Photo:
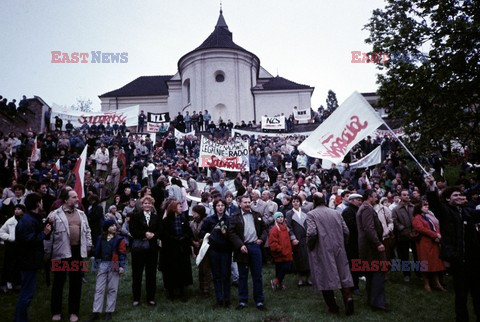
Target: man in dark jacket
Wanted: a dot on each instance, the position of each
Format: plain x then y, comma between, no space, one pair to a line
402,218
349,214
247,233
370,249
30,233
460,244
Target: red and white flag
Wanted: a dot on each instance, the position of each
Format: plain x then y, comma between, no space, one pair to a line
349,124
79,172
35,151
56,166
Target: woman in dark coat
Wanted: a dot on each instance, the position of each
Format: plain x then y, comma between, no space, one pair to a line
220,251
177,240
145,225
95,216
297,224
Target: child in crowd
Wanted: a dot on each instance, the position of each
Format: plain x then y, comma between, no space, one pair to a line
281,250
110,257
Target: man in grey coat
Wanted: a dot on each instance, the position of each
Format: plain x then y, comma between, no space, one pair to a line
402,219
327,256
371,249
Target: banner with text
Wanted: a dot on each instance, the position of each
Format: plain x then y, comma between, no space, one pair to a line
349,124
128,115
273,123
232,157
158,127
158,117
181,135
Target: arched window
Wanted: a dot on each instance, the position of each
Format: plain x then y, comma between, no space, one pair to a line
186,84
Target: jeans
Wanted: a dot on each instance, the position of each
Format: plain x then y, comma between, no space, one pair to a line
220,262
255,265
29,284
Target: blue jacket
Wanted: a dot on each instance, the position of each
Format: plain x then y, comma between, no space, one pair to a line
29,238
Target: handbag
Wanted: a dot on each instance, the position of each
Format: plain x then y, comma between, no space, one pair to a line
140,245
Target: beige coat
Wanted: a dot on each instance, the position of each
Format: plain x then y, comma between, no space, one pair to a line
61,236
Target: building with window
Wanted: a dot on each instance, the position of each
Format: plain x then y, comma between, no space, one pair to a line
218,76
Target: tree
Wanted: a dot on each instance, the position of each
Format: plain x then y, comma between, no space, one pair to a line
321,110
83,104
331,100
436,95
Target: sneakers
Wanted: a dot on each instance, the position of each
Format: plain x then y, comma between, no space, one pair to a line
73,318
241,306
57,317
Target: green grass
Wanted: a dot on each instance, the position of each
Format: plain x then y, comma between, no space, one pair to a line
408,303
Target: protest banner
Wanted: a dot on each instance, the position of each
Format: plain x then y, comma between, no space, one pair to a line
349,124
129,115
231,157
180,135
302,115
158,127
158,117
273,123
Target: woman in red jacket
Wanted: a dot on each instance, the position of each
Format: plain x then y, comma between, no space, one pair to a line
281,250
428,246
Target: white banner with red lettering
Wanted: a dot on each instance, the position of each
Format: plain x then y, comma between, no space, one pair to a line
129,115
349,124
231,157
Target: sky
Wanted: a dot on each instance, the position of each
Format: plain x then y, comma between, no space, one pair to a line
308,42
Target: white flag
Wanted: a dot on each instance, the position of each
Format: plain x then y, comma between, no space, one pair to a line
349,124
373,158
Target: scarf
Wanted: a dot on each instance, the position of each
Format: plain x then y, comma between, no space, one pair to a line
299,216
430,223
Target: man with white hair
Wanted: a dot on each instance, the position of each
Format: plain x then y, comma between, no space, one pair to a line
270,209
306,205
302,161
257,205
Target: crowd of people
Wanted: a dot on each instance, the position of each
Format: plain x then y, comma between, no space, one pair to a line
10,108
151,199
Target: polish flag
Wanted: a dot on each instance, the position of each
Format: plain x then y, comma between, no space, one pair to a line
35,152
79,172
56,166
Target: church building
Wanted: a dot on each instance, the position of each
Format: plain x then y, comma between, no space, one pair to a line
218,76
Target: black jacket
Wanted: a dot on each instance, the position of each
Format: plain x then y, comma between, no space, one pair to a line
460,241
236,233
217,240
349,214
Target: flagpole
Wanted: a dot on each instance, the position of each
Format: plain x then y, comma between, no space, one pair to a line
406,149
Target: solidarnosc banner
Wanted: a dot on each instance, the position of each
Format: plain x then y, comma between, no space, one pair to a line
231,157
348,125
128,115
